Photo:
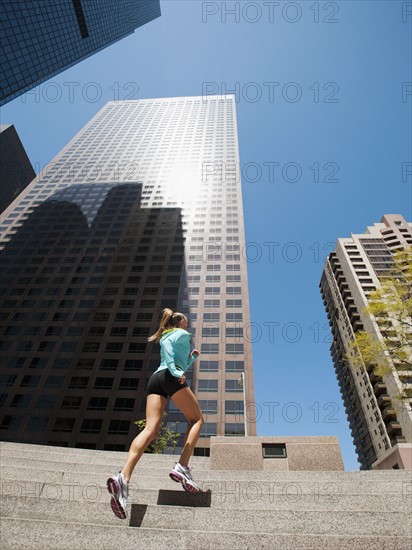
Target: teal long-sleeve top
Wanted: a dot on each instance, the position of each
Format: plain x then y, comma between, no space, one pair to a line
174,351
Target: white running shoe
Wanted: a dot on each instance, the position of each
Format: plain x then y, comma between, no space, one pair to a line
181,474
119,488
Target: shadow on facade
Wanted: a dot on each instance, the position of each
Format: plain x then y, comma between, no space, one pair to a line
82,287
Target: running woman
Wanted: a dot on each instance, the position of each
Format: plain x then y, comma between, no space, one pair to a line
168,380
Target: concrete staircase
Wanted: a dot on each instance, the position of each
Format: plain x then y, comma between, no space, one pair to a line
56,498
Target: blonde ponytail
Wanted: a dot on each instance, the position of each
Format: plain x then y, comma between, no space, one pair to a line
169,320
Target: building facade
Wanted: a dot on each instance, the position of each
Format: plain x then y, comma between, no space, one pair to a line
140,211
16,170
42,38
381,424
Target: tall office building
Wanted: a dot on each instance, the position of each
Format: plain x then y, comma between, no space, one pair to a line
16,170
41,38
380,423
141,210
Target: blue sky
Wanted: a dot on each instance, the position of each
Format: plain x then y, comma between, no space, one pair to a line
336,109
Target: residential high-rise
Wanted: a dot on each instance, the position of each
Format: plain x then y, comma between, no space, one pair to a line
141,210
41,38
16,170
381,423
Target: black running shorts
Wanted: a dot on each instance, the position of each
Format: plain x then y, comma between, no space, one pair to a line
164,383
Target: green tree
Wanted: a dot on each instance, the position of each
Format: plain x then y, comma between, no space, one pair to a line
391,307
166,437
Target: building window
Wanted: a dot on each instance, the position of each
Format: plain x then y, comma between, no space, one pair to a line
114,347
234,349
64,424
274,450
79,382
133,364
209,385
71,402
234,407
20,400
98,403
10,422
137,348
210,332
104,383
124,404
233,386
211,317
109,364
91,425
233,303
129,384
211,349
208,429
234,332
234,428
209,366
30,381
234,366
119,427
54,381
91,347
208,406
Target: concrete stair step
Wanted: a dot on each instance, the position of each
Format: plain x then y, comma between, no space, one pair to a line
19,449
155,469
87,496
344,523
220,481
29,534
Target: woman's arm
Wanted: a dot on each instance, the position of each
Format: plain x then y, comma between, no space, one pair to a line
170,360
193,356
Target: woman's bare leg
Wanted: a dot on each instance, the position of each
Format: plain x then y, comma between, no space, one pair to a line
155,405
186,401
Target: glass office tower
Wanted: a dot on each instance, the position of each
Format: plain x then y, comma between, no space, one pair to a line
41,38
141,210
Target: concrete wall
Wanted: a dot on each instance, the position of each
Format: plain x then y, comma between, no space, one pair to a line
302,453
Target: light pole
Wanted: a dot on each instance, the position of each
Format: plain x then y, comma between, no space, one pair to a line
242,381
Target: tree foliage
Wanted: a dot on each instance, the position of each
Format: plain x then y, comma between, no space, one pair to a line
391,307
166,437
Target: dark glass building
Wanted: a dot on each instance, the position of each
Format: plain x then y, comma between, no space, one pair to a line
41,38
16,170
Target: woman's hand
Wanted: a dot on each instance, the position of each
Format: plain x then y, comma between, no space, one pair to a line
195,352
182,380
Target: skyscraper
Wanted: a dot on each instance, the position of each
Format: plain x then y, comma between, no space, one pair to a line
141,210
381,425
41,38
16,170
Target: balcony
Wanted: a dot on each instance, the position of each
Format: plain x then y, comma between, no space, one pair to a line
379,388
357,325
374,378
393,427
388,413
398,439
384,400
